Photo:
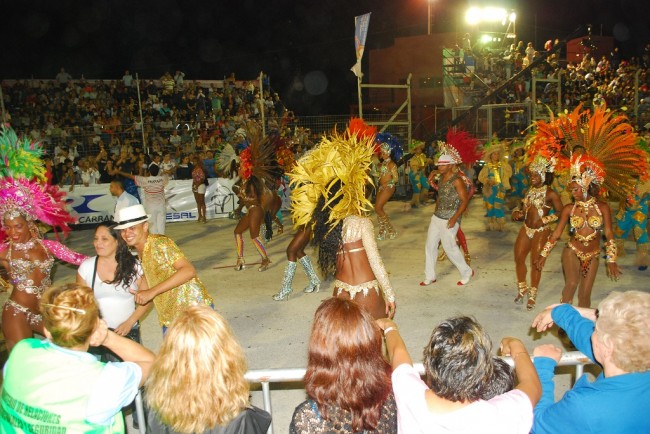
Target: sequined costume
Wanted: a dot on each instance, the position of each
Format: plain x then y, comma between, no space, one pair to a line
308,419
632,219
357,228
33,277
387,172
158,258
448,203
536,198
578,223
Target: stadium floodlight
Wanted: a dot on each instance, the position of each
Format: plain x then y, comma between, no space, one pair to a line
475,15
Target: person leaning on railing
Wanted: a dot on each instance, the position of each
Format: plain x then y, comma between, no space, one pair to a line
459,370
617,337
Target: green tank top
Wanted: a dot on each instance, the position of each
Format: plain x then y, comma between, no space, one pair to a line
47,391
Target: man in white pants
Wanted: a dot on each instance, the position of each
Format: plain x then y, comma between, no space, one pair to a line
450,205
154,200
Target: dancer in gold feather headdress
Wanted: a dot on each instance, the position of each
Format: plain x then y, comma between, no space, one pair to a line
611,164
329,195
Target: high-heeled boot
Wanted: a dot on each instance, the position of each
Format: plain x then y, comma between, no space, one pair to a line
381,233
285,289
314,281
532,298
390,230
522,289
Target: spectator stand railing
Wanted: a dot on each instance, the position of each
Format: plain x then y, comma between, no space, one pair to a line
295,375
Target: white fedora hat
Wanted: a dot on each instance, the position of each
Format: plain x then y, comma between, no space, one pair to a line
130,216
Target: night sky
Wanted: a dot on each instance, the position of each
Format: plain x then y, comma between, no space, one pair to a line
306,47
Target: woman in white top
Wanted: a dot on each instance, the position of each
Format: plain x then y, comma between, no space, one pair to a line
114,274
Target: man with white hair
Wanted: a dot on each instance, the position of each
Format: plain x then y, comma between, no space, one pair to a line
616,336
450,205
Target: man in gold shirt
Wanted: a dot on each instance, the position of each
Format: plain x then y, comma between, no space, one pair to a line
173,284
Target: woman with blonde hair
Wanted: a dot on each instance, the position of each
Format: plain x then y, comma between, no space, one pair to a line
197,382
54,385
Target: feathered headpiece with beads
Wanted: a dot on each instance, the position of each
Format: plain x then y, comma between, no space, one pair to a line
542,165
613,158
21,193
461,145
389,144
340,157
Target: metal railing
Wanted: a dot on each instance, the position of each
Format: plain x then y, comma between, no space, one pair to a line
292,375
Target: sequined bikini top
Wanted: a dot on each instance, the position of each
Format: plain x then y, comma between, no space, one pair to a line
21,269
594,222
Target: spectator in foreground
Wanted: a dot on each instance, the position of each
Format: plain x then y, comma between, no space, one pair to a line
347,378
54,385
459,370
197,382
617,337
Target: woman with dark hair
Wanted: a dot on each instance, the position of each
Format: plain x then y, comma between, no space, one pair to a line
587,217
330,196
347,379
251,196
199,185
605,154
535,212
459,375
390,152
112,275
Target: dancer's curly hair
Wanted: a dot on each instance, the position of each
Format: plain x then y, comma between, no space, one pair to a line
127,271
328,239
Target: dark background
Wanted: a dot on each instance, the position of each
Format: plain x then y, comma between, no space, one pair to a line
306,47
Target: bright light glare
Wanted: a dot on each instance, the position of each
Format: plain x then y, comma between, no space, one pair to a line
475,15
513,17
486,39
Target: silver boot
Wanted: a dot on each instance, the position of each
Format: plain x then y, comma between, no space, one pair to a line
314,281
285,289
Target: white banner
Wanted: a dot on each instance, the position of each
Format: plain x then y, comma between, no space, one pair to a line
94,204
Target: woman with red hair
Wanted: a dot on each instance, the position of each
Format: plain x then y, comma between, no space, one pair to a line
347,379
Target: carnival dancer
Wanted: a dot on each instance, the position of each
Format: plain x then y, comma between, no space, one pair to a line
539,209
611,161
296,249
466,145
172,279
451,203
26,199
632,218
519,180
330,196
390,151
256,169
495,177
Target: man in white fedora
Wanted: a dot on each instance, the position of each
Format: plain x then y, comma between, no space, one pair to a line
173,284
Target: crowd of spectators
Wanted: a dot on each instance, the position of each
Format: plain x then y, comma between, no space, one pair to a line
591,81
90,127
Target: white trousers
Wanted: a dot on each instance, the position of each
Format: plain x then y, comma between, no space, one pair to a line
438,232
157,220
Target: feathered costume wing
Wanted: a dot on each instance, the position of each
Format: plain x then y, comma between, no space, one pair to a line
345,157
610,143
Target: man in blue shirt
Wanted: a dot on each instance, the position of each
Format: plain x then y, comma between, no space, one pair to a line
617,337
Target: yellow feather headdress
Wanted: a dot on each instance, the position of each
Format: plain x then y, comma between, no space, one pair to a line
341,157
